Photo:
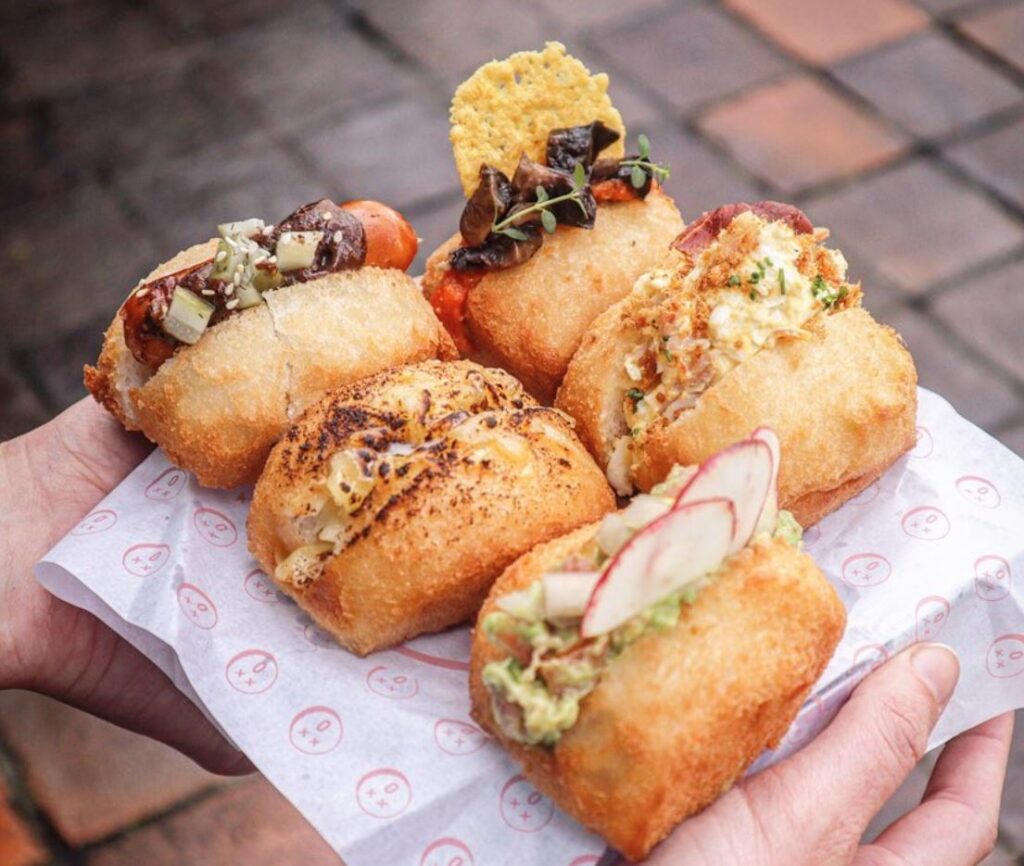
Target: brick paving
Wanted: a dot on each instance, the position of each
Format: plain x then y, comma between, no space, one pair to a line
129,127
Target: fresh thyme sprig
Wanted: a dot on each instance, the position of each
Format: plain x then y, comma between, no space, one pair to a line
543,206
642,166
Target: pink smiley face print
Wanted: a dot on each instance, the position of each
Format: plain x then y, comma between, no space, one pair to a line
98,521
259,587
926,523
144,560
458,738
874,655
523,807
931,615
991,578
1005,657
447,852
167,485
214,527
251,672
925,444
197,606
384,793
866,569
392,683
316,731
979,490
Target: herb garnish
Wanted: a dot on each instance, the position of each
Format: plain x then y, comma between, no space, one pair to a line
635,394
641,168
542,206
828,296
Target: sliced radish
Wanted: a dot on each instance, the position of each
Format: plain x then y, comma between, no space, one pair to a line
668,554
521,604
770,513
617,528
741,473
566,593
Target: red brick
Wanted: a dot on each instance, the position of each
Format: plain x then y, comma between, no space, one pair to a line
247,823
798,133
1000,30
916,225
17,845
824,31
89,777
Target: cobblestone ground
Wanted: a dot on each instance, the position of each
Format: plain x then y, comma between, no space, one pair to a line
129,127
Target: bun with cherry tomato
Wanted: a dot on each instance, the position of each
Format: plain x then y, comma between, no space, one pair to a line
215,352
559,221
753,323
636,667
392,504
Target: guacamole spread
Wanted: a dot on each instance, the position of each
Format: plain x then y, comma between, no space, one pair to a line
537,688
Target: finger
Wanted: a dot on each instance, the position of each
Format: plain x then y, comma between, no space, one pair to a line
958,818
121,685
827,792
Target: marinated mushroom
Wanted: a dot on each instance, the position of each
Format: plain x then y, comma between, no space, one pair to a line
487,205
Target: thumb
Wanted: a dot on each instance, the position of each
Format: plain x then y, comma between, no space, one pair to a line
836,785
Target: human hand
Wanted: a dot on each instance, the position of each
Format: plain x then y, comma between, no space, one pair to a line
813,808
51,478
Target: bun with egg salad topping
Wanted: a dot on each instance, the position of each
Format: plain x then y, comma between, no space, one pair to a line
393,503
754,324
216,351
637,666
559,220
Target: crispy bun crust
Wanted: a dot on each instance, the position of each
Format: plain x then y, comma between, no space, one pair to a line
428,542
843,403
679,716
530,319
218,406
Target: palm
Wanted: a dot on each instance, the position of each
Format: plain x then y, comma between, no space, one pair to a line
52,477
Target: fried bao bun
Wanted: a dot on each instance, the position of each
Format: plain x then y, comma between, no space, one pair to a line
679,715
465,473
218,406
529,319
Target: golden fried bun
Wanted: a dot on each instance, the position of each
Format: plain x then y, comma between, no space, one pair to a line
680,714
217,407
529,319
392,504
843,401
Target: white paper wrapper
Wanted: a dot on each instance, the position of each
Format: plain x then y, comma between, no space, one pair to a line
379,753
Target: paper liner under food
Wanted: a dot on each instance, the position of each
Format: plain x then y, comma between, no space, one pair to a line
379,753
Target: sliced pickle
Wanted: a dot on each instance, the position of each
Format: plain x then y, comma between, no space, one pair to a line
303,565
187,317
248,296
349,480
265,280
243,228
296,250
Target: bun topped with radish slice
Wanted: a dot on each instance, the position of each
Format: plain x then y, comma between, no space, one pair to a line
754,323
637,666
216,351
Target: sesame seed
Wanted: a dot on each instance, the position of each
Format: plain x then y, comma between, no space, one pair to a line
326,215
208,292
221,255
229,290
336,237
141,293
232,303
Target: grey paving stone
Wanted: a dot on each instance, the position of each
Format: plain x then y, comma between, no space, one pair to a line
1013,438
975,393
113,127
398,153
434,226
66,260
56,363
22,409
945,7
31,164
219,16
1001,856
929,85
988,311
450,41
66,47
701,179
1000,29
640,109
305,65
995,159
689,55
598,13
184,198
917,225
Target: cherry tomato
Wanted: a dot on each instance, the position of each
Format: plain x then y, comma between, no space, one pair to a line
390,241
449,303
